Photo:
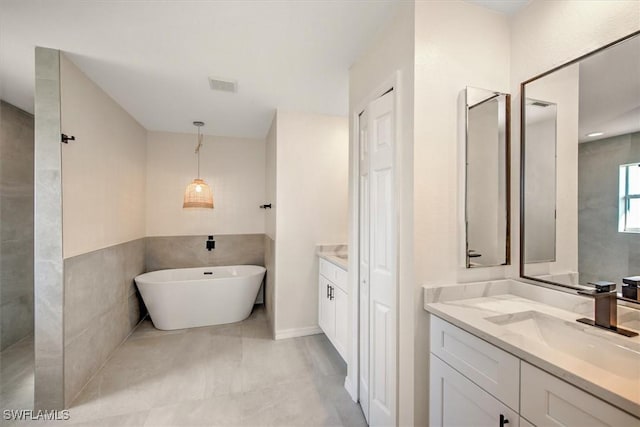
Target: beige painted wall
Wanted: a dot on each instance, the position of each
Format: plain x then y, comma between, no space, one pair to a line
391,52
312,167
233,167
103,180
450,55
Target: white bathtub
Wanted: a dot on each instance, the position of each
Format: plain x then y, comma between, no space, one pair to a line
192,297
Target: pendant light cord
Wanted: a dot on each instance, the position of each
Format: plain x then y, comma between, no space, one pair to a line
198,150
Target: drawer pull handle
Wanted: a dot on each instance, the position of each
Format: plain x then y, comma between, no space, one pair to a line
331,294
503,420
328,293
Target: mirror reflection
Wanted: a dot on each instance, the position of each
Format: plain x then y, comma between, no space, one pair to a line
581,170
487,195
540,162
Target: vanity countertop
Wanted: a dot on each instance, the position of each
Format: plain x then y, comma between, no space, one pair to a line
539,326
335,254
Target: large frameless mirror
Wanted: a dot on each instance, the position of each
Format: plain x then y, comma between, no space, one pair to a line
580,217
487,178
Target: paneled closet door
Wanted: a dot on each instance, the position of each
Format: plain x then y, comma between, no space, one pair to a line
364,266
377,275
382,263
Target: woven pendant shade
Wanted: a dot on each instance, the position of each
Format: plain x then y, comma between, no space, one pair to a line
198,195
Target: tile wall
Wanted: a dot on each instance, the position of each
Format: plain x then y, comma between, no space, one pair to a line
16,224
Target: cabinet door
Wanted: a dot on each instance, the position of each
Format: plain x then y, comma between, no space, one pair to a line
525,423
342,319
549,401
457,402
326,308
493,369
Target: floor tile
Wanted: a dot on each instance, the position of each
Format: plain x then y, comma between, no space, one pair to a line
224,375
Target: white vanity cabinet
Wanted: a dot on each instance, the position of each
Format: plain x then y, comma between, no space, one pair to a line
549,401
456,401
474,383
333,304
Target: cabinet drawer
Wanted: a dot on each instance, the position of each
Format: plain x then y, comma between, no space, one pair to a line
549,401
334,273
491,368
456,401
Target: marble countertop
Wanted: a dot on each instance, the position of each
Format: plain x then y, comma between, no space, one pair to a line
483,309
335,254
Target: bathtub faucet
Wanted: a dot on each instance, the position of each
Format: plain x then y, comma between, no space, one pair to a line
211,244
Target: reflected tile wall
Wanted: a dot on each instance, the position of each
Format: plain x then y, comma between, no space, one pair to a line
102,307
16,224
603,252
190,251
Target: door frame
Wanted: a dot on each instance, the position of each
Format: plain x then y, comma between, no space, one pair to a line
393,82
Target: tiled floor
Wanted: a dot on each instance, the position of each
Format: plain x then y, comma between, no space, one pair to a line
227,375
16,375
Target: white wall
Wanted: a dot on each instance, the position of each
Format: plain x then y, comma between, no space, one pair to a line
104,168
312,167
457,45
233,167
391,52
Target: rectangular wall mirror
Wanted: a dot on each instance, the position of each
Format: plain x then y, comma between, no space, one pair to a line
487,178
580,217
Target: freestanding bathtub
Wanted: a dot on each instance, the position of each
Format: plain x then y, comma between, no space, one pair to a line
192,297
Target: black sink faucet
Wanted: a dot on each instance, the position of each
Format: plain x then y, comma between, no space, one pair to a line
211,244
606,307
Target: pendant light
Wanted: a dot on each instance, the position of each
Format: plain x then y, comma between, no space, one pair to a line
198,193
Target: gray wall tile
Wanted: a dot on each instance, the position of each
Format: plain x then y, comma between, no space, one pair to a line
16,224
101,308
190,251
270,281
48,278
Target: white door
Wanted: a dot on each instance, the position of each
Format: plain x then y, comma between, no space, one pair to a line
382,265
363,376
378,264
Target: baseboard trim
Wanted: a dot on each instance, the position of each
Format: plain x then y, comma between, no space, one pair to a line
349,387
297,332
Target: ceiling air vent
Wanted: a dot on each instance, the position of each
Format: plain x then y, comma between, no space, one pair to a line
539,104
223,85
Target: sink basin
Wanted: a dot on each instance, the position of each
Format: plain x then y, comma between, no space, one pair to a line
574,339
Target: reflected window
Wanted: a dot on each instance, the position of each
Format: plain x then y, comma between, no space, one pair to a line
629,198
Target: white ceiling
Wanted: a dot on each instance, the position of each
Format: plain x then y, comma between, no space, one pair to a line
610,91
154,57
508,7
